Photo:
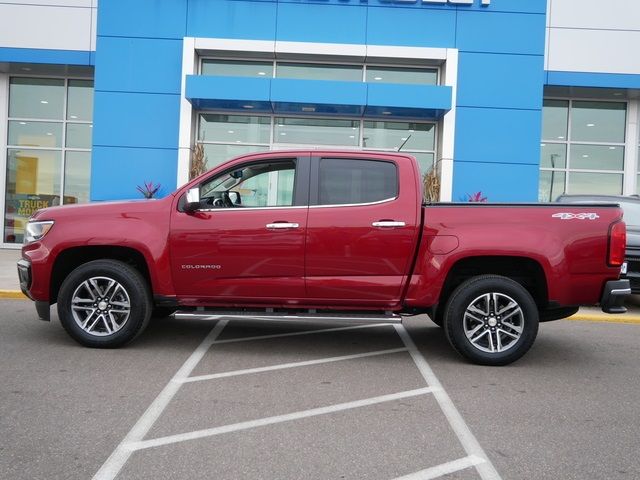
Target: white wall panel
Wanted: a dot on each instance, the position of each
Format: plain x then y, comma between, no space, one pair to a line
595,14
51,3
599,51
58,28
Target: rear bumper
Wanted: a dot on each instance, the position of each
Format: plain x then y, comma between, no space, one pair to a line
614,294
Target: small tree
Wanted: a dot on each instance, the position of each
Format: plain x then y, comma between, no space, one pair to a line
198,161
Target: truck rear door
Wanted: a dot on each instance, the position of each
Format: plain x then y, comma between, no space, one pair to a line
362,228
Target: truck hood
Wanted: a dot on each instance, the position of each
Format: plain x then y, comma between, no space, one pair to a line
118,208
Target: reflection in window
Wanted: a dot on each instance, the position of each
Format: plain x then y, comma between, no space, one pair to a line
316,131
314,71
406,75
582,149
350,181
42,142
237,68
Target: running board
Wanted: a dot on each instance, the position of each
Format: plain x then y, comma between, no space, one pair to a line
287,317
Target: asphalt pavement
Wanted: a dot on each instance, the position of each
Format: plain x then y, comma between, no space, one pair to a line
243,399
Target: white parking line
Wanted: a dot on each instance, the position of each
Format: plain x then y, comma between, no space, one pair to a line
304,332
486,469
234,427
444,469
120,455
283,366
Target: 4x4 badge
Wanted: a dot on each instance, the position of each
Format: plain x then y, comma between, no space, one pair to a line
576,216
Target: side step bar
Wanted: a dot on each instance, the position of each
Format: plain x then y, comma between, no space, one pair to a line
311,317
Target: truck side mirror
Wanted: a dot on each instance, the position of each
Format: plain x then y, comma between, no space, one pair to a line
193,200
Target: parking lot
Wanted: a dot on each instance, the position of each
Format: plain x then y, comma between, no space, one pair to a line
242,399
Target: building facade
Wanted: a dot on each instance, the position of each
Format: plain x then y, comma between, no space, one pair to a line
521,100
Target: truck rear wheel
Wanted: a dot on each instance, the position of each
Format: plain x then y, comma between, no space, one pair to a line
491,320
104,304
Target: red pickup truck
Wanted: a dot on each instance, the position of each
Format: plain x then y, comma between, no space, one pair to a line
326,236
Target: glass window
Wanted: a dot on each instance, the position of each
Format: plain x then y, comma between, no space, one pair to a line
597,157
414,136
77,174
35,134
80,100
314,71
346,181
420,76
36,98
425,161
595,183
33,182
43,157
598,121
237,68
555,115
216,154
316,131
258,185
551,185
553,155
234,128
79,135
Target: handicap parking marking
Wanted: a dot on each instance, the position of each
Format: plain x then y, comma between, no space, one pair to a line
134,440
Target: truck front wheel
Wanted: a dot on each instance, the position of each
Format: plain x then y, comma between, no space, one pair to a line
104,304
491,320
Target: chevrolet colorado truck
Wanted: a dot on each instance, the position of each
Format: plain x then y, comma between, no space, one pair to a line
326,236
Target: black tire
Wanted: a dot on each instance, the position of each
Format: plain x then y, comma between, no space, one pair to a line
129,317
461,318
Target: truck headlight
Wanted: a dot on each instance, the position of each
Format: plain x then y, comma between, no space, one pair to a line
36,230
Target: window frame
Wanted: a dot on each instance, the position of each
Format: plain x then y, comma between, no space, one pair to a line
567,170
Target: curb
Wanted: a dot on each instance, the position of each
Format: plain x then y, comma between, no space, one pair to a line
12,294
587,317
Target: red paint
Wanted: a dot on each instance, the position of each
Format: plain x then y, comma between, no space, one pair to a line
335,258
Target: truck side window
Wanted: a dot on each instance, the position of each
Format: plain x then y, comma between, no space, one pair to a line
266,184
347,181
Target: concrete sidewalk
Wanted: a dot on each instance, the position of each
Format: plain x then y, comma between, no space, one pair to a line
10,288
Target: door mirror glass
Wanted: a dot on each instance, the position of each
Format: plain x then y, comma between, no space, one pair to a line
193,200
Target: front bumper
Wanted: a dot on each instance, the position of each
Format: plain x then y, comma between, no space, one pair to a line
614,295
25,277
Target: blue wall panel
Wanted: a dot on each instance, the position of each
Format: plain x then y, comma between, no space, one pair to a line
498,182
139,65
498,136
417,27
321,23
136,120
116,171
143,18
585,79
38,55
232,19
486,31
500,81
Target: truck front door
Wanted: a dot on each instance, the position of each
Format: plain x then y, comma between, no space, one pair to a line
245,244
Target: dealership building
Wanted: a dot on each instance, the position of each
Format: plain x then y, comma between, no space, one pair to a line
520,100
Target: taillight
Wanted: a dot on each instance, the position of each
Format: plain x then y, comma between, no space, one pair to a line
617,244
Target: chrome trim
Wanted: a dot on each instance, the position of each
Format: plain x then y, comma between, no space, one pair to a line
386,319
281,225
620,291
388,224
355,204
247,209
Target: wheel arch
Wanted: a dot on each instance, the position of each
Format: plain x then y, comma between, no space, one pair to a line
524,270
71,258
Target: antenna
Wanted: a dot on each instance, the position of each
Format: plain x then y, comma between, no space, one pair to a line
403,143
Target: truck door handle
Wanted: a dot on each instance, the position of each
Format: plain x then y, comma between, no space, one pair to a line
281,225
388,224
